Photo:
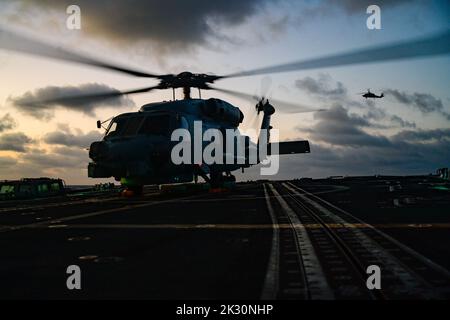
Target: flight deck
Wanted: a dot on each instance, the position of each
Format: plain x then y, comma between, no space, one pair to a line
301,239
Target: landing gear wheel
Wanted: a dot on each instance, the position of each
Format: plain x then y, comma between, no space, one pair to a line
229,178
133,191
137,190
216,180
222,183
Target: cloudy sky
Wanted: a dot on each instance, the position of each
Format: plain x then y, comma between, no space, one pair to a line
407,132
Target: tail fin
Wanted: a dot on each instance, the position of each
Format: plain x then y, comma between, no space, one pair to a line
289,147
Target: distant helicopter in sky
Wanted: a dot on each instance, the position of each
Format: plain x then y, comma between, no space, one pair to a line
369,94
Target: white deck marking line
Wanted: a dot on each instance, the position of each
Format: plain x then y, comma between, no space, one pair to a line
216,200
53,205
404,247
279,226
117,200
87,215
271,281
169,226
318,286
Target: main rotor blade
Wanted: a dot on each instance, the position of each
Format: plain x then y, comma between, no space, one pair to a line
13,41
282,106
88,98
436,44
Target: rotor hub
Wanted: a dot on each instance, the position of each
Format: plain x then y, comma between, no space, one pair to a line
187,80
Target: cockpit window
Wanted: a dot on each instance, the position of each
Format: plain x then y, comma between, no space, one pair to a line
116,127
133,125
156,125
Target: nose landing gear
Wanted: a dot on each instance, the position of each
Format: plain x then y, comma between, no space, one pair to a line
222,183
133,191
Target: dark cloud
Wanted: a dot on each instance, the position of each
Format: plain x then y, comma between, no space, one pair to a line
167,24
7,162
397,157
400,158
423,135
312,10
402,123
72,139
41,160
360,6
278,25
341,144
29,103
65,156
14,142
7,123
424,102
69,163
327,90
349,7
351,144
322,86
375,114
339,128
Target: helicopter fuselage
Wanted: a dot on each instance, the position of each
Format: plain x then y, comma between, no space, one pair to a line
372,95
136,149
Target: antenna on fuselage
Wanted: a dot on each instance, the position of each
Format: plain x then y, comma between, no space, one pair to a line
187,93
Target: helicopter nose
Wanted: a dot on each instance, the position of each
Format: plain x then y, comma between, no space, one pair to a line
98,150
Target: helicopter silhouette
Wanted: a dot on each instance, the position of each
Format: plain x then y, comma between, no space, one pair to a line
136,148
369,94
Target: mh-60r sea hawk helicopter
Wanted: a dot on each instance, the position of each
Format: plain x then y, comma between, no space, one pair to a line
372,95
136,147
